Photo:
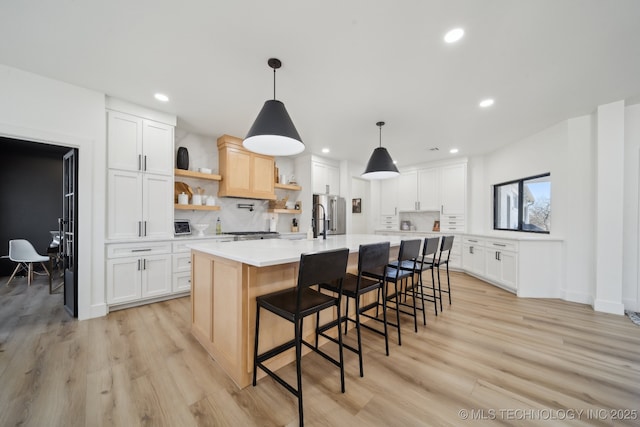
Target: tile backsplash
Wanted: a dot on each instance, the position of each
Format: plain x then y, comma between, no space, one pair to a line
422,221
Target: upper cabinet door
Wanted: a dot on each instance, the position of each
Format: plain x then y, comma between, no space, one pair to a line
124,133
389,196
408,191
157,145
262,175
429,189
453,189
326,178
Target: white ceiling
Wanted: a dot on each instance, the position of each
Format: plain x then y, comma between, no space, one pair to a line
346,64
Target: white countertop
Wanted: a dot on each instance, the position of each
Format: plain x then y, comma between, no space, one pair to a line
263,253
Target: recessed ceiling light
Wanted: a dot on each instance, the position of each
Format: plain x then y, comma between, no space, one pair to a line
161,97
454,35
325,150
453,150
486,103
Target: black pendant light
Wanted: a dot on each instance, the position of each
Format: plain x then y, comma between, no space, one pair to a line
273,132
380,164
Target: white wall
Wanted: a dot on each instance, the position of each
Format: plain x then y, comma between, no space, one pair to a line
38,109
609,208
594,162
630,250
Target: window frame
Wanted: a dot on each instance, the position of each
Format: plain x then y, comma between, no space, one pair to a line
520,183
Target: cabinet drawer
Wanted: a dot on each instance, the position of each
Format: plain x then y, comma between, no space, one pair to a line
473,241
181,282
502,245
182,263
123,250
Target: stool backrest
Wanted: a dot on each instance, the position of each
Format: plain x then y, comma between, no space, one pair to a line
322,267
430,247
409,250
445,248
373,259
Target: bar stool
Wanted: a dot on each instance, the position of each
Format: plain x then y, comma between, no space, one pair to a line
425,262
400,271
299,302
372,265
443,259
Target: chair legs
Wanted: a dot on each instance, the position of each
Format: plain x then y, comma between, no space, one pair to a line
14,273
297,343
28,266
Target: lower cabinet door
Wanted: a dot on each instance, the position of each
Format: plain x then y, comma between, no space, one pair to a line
123,280
509,261
156,275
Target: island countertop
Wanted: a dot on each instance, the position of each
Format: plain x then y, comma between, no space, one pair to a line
268,252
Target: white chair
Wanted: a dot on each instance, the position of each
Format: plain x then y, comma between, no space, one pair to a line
23,252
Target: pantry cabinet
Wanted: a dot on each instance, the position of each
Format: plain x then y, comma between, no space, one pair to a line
139,205
244,174
137,144
139,177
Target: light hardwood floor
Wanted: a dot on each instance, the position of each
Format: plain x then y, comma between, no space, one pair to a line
501,359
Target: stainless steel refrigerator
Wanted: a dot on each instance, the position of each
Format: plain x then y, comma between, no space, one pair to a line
334,208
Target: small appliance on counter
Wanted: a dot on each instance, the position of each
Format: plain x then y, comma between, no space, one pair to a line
405,225
181,227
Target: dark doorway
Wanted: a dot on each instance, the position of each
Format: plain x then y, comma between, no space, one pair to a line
31,189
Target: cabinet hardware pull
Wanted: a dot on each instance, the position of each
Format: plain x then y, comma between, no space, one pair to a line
145,228
145,163
139,228
144,264
499,244
474,241
141,250
471,249
139,162
138,265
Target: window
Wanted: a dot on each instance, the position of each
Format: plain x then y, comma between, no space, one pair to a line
523,205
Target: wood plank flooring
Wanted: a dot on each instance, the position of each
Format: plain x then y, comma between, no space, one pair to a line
490,356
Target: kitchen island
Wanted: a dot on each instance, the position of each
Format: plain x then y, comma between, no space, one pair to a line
226,279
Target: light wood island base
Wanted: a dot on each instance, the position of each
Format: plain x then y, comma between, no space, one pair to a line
223,300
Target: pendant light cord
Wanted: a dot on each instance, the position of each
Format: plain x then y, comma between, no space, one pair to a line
274,83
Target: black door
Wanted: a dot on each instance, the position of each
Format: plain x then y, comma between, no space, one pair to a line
69,231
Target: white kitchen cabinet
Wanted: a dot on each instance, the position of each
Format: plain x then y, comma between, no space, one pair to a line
500,258
325,178
451,223
136,272
139,205
429,189
453,180
473,255
389,197
408,191
140,145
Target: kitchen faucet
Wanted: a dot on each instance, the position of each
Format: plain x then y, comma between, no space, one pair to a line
324,221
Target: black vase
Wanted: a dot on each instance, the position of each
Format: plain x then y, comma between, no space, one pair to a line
182,161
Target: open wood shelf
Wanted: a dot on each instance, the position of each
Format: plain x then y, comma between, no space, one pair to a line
199,175
293,187
196,207
285,211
